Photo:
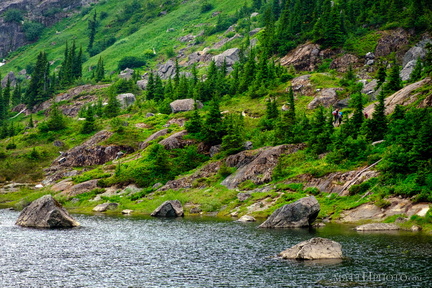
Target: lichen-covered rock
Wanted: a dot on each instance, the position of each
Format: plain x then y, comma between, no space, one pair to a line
230,57
46,212
301,213
314,249
326,97
171,208
152,137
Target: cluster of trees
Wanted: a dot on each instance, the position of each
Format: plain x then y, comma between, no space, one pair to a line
330,23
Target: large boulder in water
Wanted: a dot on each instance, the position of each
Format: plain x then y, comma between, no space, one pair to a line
301,213
46,212
314,249
171,208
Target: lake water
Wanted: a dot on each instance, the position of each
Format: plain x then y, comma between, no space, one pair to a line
202,252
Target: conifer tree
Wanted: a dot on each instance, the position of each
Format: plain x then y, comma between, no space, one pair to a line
232,142
100,70
16,96
92,25
88,125
394,82
194,124
416,74
37,91
213,129
381,75
7,95
159,89
151,87
112,109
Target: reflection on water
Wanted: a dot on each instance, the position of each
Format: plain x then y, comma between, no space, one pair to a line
202,252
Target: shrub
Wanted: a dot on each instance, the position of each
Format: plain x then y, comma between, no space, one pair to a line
32,30
11,146
205,7
131,62
13,15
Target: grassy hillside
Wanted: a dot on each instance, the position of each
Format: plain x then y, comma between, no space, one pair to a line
257,87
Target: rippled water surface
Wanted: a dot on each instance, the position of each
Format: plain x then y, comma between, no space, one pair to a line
202,252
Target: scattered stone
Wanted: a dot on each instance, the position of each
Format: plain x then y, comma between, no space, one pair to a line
142,84
46,212
327,97
406,71
126,100
176,141
152,137
246,218
301,213
105,207
214,150
149,114
58,143
254,31
314,249
243,196
127,212
248,145
377,227
157,185
171,208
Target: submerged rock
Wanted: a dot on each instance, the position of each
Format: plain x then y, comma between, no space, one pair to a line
301,213
314,249
171,208
46,212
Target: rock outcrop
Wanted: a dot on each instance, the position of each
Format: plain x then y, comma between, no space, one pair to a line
301,213
152,137
176,141
306,57
256,165
405,96
314,249
171,208
392,41
342,63
230,56
46,212
377,227
396,206
326,97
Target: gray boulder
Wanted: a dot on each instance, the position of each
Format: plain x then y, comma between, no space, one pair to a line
314,249
105,207
183,105
231,56
46,212
126,74
301,213
326,97
171,208
166,70
142,84
126,99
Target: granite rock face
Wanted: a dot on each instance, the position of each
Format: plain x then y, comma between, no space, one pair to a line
301,213
46,212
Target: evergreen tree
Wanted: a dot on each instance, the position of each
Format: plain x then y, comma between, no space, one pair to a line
394,81
213,129
159,89
232,142
194,125
89,124
112,109
92,25
100,70
377,126
16,96
38,88
151,87
381,75
416,74
356,121
7,95
321,132
55,121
